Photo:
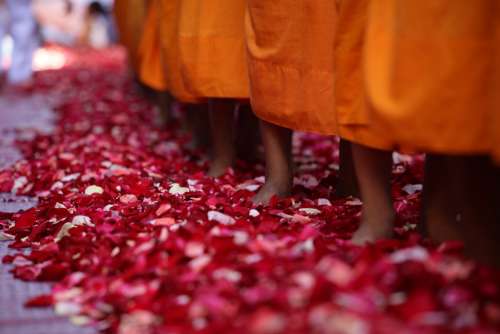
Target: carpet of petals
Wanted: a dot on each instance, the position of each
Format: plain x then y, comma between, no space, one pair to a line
138,240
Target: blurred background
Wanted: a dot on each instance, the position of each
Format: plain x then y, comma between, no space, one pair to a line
27,25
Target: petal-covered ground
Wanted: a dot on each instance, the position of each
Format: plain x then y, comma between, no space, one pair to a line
139,240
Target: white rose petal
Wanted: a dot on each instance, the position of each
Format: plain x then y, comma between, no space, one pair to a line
254,213
128,198
194,249
220,218
90,190
176,189
227,274
354,202
82,220
417,253
324,202
410,189
306,246
5,236
77,221
310,211
398,158
19,183
249,185
67,308
57,185
200,262
241,238
59,206
64,231
192,183
260,179
80,320
70,177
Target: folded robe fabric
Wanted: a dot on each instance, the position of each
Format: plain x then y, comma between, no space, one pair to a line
151,67
129,17
305,66
431,72
211,39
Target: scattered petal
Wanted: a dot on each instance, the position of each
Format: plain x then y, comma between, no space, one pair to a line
90,190
220,217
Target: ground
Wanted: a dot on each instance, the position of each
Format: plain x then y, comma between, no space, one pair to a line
137,239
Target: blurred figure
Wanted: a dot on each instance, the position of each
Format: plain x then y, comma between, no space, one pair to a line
70,22
97,31
59,21
17,20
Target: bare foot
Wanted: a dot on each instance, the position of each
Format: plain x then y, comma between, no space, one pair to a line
371,231
347,183
248,138
271,189
164,102
218,168
345,189
221,117
250,154
195,122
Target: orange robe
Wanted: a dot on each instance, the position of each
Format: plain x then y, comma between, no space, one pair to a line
130,16
305,63
352,109
291,62
495,125
169,13
430,72
151,67
211,39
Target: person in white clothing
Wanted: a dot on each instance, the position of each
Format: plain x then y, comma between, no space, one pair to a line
17,20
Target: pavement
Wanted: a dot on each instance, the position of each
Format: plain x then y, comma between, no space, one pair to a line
25,113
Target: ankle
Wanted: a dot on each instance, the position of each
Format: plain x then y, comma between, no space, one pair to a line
380,219
280,184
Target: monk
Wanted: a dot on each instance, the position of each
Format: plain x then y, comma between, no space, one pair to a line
151,70
432,81
371,148
211,55
292,47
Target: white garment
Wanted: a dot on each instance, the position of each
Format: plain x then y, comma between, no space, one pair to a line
16,19
98,34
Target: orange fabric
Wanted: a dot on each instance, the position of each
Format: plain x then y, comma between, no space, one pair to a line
430,67
212,48
169,45
129,17
291,65
352,109
305,64
151,69
495,128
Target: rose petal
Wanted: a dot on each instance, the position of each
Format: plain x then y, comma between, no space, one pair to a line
93,189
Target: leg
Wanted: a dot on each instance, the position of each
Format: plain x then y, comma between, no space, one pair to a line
439,205
481,213
278,153
164,103
465,205
247,136
347,184
373,169
222,134
195,122
23,29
